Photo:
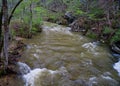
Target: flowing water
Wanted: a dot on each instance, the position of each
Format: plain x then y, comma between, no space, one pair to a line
58,57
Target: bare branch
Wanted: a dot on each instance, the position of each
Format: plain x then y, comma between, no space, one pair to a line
11,15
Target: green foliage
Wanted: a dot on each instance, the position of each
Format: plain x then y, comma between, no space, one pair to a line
107,30
21,31
92,35
116,37
40,10
37,21
73,5
96,13
13,33
79,12
34,30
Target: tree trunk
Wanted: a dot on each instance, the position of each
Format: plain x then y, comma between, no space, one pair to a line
1,38
31,16
6,32
108,19
4,25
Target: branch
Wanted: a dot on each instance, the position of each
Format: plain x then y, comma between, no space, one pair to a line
11,15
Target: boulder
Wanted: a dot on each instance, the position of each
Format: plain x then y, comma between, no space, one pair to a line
115,50
69,17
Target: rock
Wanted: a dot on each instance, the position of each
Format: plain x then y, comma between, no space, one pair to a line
81,82
69,17
115,49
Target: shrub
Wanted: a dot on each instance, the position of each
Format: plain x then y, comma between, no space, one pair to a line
96,13
92,35
107,30
116,37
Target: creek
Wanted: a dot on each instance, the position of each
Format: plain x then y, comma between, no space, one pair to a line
58,57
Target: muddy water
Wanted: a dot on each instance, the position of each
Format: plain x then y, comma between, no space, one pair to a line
58,57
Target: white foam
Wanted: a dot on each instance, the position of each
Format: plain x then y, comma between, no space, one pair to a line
116,66
34,74
36,56
106,77
65,30
92,81
38,74
91,47
57,28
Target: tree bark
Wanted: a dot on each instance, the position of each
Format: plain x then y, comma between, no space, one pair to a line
1,38
1,14
6,32
31,16
4,25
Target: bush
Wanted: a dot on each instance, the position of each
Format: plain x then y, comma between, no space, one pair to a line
96,13
107,30
92,35
19,28
116,37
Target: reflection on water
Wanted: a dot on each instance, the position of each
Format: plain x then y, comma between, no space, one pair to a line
61,58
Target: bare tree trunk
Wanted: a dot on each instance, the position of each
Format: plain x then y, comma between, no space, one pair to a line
1,38
31,16
22,14
108,19
6,32
6,21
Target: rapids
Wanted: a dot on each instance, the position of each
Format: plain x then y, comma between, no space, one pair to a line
58,57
